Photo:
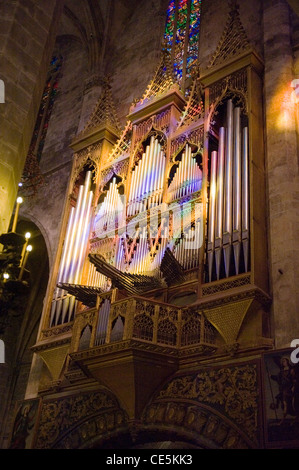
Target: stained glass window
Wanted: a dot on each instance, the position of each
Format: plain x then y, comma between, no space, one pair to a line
169,29
32,177
182,36
45,110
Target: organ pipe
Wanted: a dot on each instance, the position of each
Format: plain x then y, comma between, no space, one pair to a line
212,212
83,241
237,172
72,237
219,200
147,179
73,252
237,189
212,205
79,235
228,226
66,243
188,257
220,181
245,197
228,171
187,178
103,317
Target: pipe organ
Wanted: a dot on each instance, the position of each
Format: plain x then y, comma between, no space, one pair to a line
144,258
95,279
186,256
103,317
147,181
73,254
109,212
187,178
174,247
228,227
154,238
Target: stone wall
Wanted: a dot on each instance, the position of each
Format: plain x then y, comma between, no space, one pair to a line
46,208
27,37
282,171
213,20
134,50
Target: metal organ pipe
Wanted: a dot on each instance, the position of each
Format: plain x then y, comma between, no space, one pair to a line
134,191
232,198
219,200
227,227
229,170
150,165
72,237
79,230
237,189
192,173
245,197
237,171
72,258
212,212
103,322
245,193
186,162
111,205
181,176
153,169
189,173
154,173
144,172
212,204
162,172
138,181
133,185
220,181
66,243
84,239
147,179
187,177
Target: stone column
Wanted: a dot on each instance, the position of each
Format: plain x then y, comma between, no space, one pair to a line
282,172
27,34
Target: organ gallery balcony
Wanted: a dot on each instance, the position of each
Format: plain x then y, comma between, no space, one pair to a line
133,344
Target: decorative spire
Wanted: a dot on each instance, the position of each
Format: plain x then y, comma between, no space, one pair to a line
104,112
163,78
234,39
194,107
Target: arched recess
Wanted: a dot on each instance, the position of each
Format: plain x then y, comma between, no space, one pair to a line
174,425
215,408
73,422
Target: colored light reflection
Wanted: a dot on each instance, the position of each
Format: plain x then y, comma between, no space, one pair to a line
283,107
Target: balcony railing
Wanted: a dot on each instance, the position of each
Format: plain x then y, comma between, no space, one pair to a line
141,319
